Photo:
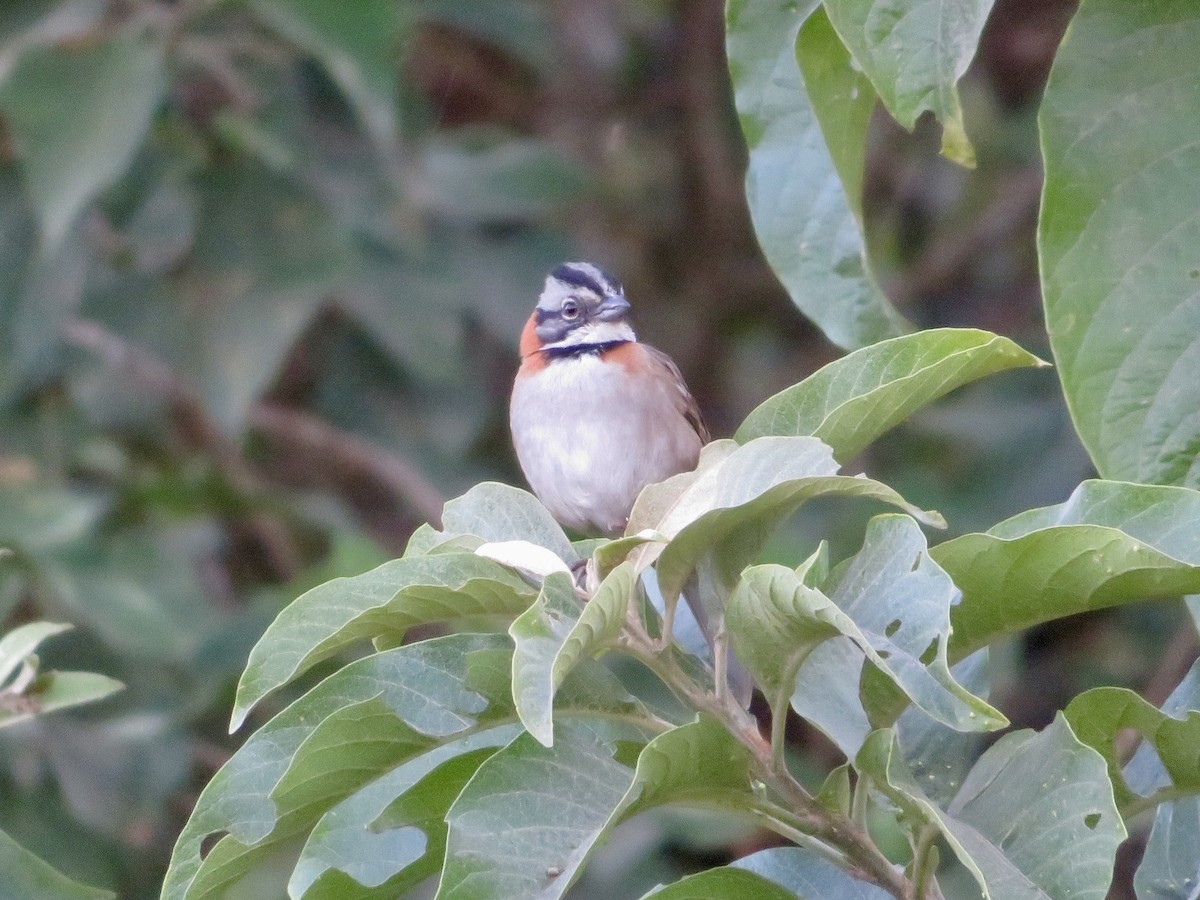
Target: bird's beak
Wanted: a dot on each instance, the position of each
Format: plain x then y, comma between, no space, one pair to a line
612,309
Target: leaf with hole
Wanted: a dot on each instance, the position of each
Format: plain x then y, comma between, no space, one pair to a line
900,600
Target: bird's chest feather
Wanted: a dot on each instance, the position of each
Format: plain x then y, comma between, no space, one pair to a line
578,408
589,436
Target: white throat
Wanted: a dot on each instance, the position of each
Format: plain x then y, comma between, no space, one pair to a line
595,333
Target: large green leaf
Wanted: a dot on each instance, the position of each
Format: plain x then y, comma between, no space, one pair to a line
1099,715
527,823
804,217
77,114
777,622
1030,804
371,716
524,824
538,634
555,634
808,876
1119,235
1170,867
1110,543
1037,814
939,757
359,51
386,601
901,600
914,52
732,506
853,400
26,876
391,834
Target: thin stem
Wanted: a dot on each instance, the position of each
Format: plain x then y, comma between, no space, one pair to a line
779,711
668,623
861,802
721,663
776,820
861,857
924,861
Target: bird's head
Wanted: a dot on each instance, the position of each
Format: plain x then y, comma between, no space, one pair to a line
580,306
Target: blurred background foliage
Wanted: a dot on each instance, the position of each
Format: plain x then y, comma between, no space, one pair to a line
263,265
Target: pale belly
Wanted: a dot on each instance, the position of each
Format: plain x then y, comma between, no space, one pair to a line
588,443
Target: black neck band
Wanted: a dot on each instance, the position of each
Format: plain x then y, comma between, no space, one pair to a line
574,350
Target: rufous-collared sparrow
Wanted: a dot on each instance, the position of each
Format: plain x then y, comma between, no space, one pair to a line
596,415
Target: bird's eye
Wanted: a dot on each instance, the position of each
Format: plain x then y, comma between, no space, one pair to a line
570,309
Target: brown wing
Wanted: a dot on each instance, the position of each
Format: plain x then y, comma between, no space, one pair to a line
687,403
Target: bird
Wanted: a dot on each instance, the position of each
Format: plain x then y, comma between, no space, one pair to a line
596,415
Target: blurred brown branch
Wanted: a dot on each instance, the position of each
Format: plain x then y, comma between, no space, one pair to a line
326,455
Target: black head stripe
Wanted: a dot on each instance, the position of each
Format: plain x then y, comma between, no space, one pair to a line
575,276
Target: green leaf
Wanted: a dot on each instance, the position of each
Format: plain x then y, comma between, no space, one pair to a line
40,519
1110,543
775,621
538,635
731,507
1032,801
900,600
853,400
498,512
77,114
699,764
508,179
804,217
1119,238
1171,864
386,601
553,807
915,52
52,691
26,876
1146,772
19,643
598,625
359,723
725,883
1099,715
842,99
939,757
360,52
1170,868
390,835
352,727
525,822
808,876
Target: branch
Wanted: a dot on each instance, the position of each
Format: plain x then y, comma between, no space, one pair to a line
352,456
186,407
